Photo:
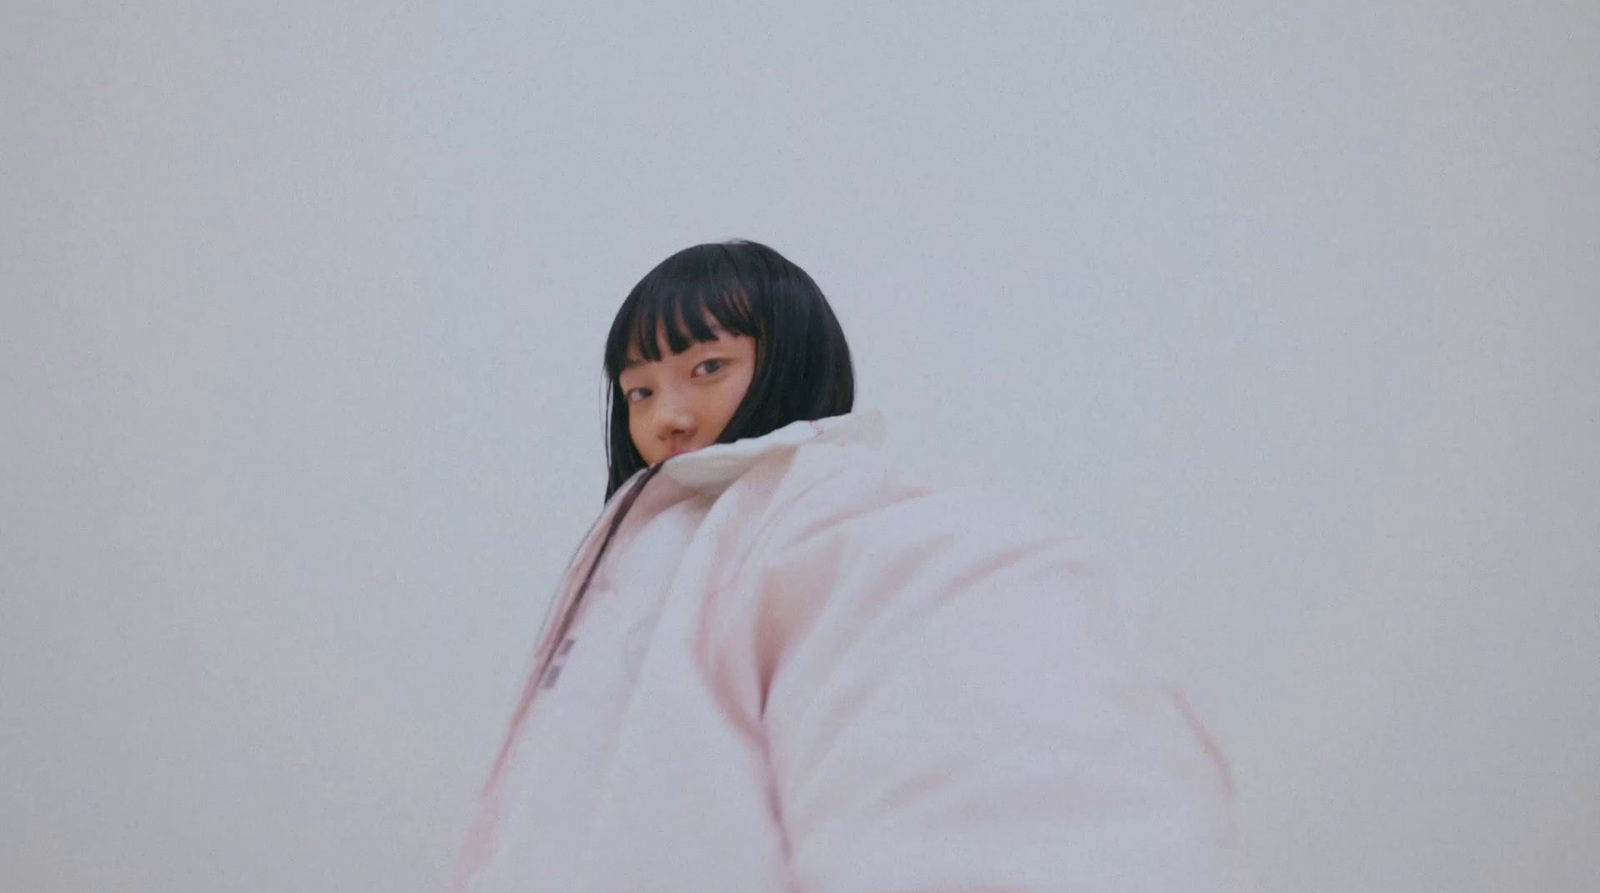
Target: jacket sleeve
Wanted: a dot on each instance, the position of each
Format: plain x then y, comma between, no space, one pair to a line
951,702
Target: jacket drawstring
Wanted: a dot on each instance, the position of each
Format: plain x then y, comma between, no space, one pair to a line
536,679
571,613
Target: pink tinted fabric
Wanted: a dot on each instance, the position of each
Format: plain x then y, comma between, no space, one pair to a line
796,669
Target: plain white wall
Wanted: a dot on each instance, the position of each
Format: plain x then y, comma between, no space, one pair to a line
1293,306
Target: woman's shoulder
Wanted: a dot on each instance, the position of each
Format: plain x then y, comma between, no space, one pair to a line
863,491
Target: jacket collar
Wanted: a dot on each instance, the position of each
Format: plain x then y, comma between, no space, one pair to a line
713,468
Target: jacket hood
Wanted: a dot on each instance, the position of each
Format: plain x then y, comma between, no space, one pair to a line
711,469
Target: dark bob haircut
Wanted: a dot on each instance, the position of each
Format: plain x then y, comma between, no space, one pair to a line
802,363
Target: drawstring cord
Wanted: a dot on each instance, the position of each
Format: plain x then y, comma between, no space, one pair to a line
538,680
571,613
479,837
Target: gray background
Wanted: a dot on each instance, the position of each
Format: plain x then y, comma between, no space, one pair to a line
1293,306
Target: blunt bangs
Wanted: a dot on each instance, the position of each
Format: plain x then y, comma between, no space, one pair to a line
678,297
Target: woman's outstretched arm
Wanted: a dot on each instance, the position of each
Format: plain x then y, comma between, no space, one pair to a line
952,702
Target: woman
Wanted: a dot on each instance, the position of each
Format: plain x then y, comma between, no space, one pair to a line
777,663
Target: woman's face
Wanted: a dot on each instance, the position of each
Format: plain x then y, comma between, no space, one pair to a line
682,403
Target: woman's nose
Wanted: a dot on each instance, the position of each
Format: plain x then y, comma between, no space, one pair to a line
675,422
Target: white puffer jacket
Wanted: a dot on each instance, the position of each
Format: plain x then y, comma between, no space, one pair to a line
794,669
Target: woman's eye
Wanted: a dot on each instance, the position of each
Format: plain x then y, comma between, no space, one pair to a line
637,394
709,366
